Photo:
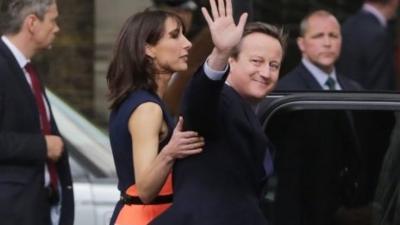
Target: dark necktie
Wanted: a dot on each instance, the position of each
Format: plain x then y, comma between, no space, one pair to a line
330,82
44,122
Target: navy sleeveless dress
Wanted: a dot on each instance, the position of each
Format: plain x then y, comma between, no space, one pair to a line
121,144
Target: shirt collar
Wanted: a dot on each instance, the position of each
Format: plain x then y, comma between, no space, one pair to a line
371,9
19,56
320,75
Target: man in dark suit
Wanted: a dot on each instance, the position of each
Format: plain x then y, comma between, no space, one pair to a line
320,43
222,186
368,46
35,178
316,170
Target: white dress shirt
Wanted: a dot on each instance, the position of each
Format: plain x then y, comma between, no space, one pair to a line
320,75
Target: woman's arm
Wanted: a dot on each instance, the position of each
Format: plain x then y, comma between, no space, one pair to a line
152,167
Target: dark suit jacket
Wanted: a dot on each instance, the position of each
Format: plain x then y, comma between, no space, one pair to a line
367,52
300,79
313,152
221,185
23,154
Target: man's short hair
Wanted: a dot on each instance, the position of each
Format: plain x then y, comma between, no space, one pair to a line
14,12
275,32
304,22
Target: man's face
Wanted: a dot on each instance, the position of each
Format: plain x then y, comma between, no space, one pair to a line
321,42
44,31
255,71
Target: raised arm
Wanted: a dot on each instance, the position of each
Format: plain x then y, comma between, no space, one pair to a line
202,96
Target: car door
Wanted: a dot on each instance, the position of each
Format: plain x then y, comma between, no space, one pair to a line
335,158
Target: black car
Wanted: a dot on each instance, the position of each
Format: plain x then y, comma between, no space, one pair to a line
337,158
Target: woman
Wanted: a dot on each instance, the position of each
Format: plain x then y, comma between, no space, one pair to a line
150,48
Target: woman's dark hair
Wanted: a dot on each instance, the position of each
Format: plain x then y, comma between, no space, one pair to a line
130,68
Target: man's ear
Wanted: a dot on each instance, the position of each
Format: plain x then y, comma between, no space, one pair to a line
234,59
30,22
149,50
300,43
232,62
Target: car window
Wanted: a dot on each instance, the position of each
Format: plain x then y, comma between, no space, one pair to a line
333,166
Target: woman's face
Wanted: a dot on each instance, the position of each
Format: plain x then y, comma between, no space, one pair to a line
170,54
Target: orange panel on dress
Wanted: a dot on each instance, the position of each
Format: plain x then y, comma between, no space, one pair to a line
143,214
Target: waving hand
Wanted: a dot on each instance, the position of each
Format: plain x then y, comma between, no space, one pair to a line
224,32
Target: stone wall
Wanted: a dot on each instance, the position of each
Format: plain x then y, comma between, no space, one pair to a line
109,17
67,68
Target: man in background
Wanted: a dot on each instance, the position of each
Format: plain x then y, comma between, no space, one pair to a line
320,43
368,46
314,182
35,178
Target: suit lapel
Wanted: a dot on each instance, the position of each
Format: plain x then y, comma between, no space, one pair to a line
246,108
253,133
370,16
308,79
346,84
18,76
342,83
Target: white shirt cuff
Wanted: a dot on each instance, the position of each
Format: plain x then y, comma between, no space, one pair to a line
214,74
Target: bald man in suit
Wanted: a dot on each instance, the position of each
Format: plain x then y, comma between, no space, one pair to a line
313,171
